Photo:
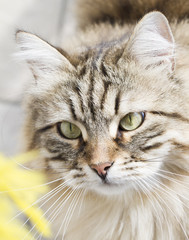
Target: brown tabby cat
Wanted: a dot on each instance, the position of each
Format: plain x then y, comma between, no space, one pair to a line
111,119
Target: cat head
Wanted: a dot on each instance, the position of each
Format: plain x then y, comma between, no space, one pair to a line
111,117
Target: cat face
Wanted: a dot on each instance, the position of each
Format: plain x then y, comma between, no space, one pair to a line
118,133
107,123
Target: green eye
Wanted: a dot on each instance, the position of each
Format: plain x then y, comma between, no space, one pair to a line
69,130
131,121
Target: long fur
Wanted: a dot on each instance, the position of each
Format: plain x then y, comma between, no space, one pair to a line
97,11
115,67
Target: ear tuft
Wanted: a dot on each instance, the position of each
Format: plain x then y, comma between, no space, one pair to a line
44,60
152,43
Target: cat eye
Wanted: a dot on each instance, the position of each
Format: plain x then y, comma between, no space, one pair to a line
131,121
69,130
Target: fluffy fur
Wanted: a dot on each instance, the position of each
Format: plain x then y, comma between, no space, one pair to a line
111,70
121,11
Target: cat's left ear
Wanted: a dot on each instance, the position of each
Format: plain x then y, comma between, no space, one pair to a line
152,43
44,60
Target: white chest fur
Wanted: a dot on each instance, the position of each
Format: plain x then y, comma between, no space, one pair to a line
129,217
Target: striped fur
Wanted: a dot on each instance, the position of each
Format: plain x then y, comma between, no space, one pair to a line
114,70
97,11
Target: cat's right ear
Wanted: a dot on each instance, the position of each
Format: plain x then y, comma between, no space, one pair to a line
152,44
44,60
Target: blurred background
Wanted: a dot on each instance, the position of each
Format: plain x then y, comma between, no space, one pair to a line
52,20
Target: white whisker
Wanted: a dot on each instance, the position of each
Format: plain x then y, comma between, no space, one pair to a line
147,192
67,198
51,218
156,193
30,188
71,210
60,187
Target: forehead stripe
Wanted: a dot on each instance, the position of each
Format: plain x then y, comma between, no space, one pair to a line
170,115
117,103
78,92
106,87
150,147
103,69
90,93
72,109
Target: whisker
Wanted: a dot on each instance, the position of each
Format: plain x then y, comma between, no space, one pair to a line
67,190
170,190
173,173
154,159
149,186
151,199
138,190
171,179
40,199
62,207
29,188
70,211
60,187
49,218
81,202
170,208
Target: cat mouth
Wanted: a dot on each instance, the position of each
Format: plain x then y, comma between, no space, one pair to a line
107,188
105,182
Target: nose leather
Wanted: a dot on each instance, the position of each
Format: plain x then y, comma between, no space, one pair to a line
102,168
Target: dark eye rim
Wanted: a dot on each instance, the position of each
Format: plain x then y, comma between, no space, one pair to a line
143,114
58,127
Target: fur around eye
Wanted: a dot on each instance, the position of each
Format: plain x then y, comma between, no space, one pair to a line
68,130
131,121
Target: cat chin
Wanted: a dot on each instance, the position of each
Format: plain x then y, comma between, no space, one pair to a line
108,189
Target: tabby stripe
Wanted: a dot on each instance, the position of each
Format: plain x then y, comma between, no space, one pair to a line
75,166
181,146
91,95
103,69
82,71
171,115
103,59
119,143
117,103
79,175
118,55
148,135
77,91
145,139
152,127
142,137
155,146
134,160
106,86
36,137
59,157
44,129
54,146
160,133
72,109
151,132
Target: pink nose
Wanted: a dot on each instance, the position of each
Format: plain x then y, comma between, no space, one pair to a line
102,168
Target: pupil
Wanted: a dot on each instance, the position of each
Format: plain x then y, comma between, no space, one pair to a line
130,119
70,127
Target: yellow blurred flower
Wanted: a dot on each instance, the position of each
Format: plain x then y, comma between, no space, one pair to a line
21,187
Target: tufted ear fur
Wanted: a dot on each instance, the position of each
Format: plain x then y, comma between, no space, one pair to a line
44,60
152,42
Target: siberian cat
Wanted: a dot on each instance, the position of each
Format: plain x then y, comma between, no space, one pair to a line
110,116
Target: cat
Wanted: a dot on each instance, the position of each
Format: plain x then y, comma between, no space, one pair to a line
110,116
